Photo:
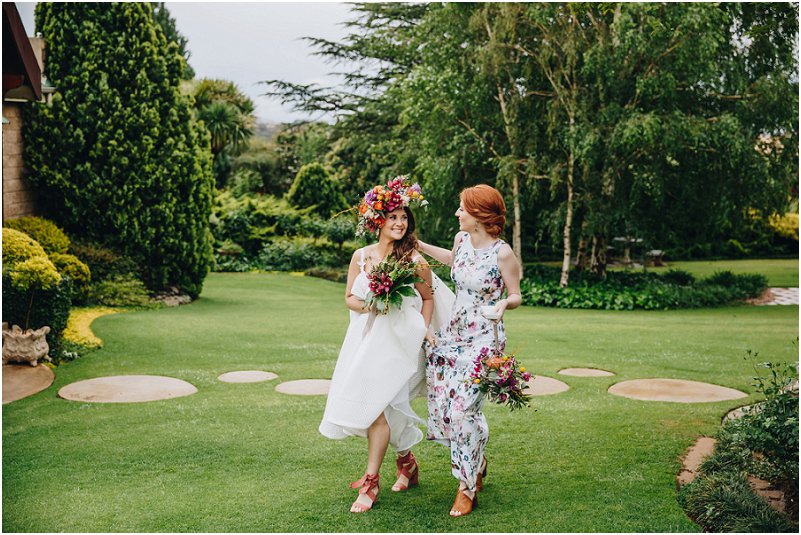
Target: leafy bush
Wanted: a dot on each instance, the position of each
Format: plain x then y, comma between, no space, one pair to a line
332,274
762,442
253,221
724,503
77,271
117,153
50,237
18,246
314,188
679,276
623,290
47,307
290,255
104,262
37,273
785,226
120,291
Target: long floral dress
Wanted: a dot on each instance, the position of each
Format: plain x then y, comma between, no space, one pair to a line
454,403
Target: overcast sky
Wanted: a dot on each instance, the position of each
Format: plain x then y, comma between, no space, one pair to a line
249,42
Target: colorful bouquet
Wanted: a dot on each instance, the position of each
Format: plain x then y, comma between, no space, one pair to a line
501,378
381,200
389,282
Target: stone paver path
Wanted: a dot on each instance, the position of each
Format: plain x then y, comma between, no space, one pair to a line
699,451
126,389
22,380
545,386
783,296
248,376
585,372
305,387
675,390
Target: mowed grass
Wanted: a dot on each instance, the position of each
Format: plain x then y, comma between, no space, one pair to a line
245,458
781,272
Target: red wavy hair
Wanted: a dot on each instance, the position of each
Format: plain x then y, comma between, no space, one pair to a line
486,204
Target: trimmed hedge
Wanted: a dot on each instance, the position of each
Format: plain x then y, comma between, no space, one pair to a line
623,290
50,237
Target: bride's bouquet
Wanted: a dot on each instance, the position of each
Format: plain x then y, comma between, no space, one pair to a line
501,378
389,281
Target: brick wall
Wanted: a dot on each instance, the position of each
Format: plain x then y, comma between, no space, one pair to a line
19,198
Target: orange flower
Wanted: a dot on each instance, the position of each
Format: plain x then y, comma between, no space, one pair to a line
378,206
363,208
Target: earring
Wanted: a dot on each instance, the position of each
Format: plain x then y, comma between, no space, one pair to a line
476,228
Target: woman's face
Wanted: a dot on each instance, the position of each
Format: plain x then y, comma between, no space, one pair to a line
396,224
467,222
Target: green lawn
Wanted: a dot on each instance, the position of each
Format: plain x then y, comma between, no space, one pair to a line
782,273
244,458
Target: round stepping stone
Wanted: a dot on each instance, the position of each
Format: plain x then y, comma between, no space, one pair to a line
21,381
585,372
545,386
126,389
305,387
676,390
248,376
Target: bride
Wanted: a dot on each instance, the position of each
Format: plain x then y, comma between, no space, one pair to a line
380,368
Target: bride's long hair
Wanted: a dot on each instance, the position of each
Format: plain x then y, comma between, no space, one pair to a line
403,248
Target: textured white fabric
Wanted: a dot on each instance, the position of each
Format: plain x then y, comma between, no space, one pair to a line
381,368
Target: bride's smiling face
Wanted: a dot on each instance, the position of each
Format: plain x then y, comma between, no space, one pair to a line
396,224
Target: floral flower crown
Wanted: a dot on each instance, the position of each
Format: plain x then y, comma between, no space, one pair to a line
381,200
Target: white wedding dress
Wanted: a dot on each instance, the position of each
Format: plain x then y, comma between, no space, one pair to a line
381,367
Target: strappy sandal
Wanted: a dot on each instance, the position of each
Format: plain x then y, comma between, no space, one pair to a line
482,473
464,504
407,467
368,486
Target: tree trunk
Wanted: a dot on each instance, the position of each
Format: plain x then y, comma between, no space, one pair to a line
516,230
598,257
563,282
581,252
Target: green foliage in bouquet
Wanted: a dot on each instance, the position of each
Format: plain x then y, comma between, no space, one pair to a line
390,281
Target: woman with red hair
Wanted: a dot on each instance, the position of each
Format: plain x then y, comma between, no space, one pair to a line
482,267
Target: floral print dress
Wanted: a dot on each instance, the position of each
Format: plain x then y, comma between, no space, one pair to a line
454,403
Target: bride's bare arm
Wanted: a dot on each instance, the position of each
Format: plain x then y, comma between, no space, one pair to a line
439,254
351,301
426,292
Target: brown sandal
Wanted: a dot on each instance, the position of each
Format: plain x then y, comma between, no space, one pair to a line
463,505
482,473
368,486
407,467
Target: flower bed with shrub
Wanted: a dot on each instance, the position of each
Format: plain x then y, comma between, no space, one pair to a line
624,290
762,443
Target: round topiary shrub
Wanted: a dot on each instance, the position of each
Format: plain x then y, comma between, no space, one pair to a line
72,267
313,186
18,247
37,273
50,237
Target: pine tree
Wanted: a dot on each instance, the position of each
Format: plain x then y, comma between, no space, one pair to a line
117,153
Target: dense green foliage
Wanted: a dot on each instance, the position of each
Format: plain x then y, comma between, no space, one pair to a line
227,114
50,237
18,247
314,188
624,290
117,153
762,442
672,123
77,271
161,15
34,308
